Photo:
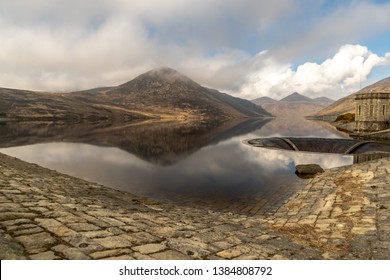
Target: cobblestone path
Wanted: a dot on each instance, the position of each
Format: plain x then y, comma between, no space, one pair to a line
341,214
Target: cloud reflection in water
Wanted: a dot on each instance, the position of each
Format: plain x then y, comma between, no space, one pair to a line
228,170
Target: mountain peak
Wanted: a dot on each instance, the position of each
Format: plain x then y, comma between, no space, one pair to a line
264,100
166,74
159,76
296,97
165,90
163,71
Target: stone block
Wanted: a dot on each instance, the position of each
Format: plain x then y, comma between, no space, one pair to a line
150,248
5,216
55,227
113,242
97,234
71,253
83,227
192,248
10,250
36,243
48,255
233,252
110,253
170,255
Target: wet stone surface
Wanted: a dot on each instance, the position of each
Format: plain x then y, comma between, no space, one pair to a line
342,213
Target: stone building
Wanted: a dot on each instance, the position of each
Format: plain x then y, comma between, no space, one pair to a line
372,111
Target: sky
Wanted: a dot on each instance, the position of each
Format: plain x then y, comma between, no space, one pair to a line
247,48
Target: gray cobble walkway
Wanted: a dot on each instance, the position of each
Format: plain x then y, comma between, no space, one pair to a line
341,214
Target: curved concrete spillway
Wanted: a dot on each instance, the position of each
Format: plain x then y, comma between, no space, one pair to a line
321,145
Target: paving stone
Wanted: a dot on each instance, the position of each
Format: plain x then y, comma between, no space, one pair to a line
36,243
222,245
10,250
100,213
113,242
28,231
139,238
248,257
96,234
363,230
16,222
19,227
115,230
123,257
83,227
70,218
170,255
142,257
150,248
70,253
39,209
93,220
10,206
279,257
209,237
55,227
4,216
110,253
112,221
192,248
86,245
126,220
48,255
136,229
233,252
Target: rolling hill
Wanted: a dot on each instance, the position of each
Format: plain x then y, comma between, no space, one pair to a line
23,105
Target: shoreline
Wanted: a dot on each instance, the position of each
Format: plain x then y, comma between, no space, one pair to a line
342,213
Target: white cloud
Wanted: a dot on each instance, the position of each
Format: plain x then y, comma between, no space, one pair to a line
65,45
335,77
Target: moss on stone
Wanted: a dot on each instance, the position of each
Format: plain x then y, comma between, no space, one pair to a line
346,118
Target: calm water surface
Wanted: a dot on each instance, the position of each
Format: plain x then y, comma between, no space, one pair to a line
216,168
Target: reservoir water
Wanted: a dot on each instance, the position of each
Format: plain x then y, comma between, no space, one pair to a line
200,167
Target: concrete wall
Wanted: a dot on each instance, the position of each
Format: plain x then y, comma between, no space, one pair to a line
372,111
369,157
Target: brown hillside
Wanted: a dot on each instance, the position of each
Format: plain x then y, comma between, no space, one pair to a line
347,104
158,94
30,105
165,91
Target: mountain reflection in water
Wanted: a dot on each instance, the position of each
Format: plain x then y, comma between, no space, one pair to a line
203,166
158,142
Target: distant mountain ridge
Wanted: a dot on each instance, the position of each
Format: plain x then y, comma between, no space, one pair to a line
296,97
293,105
263,100
347,104
162,94
323,100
